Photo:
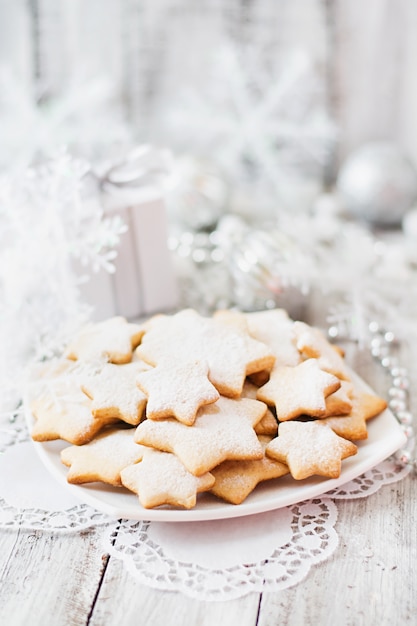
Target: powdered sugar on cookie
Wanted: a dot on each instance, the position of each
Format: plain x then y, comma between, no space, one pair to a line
182,404
114,392
177,390
310,448
160,478
312,343
299,390
230,352
114,339
223,430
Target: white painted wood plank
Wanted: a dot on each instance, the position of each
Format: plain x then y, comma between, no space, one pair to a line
93,40
407,126
371,577
77,42
48,579
374,83
123,601
16,41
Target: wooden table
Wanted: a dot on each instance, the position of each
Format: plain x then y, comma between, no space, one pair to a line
371,578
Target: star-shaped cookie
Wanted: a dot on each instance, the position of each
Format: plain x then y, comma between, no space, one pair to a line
177,390
230,352
268,425
113,340
114,392
235,480
64,412
299,390
275,328
310,448
312,343
353,426
340,401
160,478
222,430
103,458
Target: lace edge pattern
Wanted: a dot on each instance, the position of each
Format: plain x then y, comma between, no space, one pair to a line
313,540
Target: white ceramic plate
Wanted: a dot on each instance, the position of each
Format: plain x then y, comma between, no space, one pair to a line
385,437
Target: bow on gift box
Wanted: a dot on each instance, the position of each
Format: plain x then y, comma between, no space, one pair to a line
132,189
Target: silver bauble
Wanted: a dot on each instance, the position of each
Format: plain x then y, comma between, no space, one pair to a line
195,194
378,183
409,227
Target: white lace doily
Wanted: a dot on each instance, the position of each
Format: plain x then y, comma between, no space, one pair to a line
385,473
214,560
227,559
30,498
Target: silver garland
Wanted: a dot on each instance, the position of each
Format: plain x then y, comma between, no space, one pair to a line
384,346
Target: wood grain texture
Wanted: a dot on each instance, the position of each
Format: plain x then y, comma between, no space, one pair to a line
54,580
48,579
374,83
16,43
122,601
370,579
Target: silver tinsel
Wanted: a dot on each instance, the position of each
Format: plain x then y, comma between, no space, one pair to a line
236,265
384,348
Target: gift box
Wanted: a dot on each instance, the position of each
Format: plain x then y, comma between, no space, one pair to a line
144,281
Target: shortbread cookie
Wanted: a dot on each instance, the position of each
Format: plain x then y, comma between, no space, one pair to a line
160,478
103,458
235,480
112,340
177,390
64,412
235,318
51,369
230,352
353,426
182,404
312,343
268,425
299,390
340,401
223,430
275,329
114,392
310,448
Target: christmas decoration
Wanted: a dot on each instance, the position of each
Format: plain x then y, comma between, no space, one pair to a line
409,227
33,130
196,193
378,183
51,223
351,274
384,347
267,132
203,271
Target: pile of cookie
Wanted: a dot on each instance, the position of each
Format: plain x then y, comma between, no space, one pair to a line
182,404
